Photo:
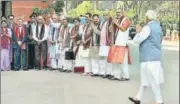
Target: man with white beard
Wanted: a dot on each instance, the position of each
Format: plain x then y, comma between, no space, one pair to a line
53,37
150,39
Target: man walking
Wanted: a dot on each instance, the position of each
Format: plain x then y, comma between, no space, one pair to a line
150,37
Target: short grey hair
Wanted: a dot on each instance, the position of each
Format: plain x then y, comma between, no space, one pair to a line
151,15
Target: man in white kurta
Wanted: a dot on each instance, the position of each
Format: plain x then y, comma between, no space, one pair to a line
106,39
40,35
95,45
121,71
64,39
53,37
150,37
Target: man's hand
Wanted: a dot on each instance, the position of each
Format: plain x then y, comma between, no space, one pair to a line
30,37
83,42
138,28
53,42
39,42
78,42
2,35
19,43
114,21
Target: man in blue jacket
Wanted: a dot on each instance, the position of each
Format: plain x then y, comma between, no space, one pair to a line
150,38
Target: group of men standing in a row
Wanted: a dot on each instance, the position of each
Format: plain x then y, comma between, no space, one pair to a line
45,40
22,41
30,46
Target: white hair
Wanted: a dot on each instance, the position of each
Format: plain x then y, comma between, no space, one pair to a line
151,15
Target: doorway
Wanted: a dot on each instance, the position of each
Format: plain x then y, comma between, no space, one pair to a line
3,8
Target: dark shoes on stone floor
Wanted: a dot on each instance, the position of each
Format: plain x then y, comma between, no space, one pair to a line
94,75
134,101
107,76
122,79
64,70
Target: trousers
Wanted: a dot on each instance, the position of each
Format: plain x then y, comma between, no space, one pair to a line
20,58
121,70
105,67
156,90
64,64
52,54
95,66
5,60
87,64
31,55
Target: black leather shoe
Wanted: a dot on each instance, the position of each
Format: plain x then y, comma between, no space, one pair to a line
94,75
101,76
110,77
60,69
124,79
105,76
64,70
134,101
115,79
26,69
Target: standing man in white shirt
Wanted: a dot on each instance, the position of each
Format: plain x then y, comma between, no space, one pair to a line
150,37
95,45
40,35
122,23
53,38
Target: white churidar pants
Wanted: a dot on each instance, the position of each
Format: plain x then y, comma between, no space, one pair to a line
52,51
105,67
65,64
121,70
151,75
87,64
95,66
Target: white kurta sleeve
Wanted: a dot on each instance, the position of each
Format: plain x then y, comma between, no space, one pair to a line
143,35
34,35
96,31
10,32
46,34
51,21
